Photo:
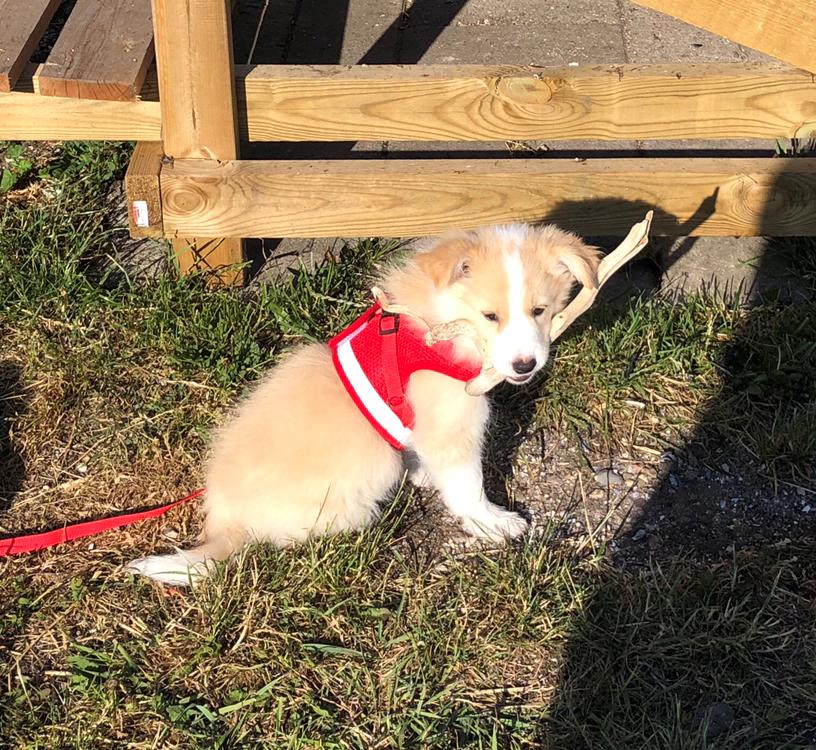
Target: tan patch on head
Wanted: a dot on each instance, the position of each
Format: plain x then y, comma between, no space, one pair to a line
467,268
486,288
554,260
447,260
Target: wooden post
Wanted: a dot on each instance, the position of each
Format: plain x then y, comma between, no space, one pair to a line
143,190
193,41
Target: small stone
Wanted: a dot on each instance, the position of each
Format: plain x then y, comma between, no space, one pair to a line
608,478
170,534
82,468
639,534
807,508
717,716
722,504
674,481
91,546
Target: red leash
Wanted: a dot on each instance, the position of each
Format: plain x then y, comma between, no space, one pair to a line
18,545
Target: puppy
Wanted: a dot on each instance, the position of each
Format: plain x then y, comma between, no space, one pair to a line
320,441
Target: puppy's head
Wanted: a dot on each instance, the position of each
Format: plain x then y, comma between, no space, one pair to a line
509,281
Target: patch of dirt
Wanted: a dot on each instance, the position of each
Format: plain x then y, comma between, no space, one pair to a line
660,505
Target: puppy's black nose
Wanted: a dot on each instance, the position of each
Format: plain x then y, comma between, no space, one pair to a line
523,366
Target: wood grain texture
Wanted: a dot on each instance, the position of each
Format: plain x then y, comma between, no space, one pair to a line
439,102
196,79
22,27
455,103
25,115
785,29
142,185
103,52
698,196
199,120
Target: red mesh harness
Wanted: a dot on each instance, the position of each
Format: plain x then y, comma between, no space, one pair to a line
375,357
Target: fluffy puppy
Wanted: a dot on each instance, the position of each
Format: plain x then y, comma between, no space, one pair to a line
300,457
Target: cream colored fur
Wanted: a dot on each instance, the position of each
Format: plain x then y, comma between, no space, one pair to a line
299,459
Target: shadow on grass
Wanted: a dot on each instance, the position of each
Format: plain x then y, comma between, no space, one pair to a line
701,633
12,404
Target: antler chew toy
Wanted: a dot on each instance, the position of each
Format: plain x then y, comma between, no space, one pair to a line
632,244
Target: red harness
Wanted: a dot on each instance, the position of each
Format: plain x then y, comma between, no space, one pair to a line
376,356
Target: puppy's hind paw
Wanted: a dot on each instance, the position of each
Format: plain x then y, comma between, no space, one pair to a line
498,525
420,478
177,569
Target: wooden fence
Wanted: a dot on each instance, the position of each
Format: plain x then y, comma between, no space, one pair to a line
191,112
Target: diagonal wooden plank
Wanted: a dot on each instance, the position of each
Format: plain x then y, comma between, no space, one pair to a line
785,29
22,27
390,198
103,52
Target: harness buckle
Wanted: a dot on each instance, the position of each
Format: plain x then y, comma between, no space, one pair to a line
389,323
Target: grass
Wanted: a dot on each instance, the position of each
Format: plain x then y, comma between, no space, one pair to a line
110,389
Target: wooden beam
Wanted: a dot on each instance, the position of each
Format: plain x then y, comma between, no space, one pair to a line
23,26
403,198
463,103
199,119
103,51
785,29
143,191
735,100
27,116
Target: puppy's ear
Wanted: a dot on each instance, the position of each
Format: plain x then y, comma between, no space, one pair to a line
446,261
581,261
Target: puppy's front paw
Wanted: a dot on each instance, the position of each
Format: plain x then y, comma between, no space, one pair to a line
497,524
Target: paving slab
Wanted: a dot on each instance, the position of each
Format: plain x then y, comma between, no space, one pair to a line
551,43
344,31
755,264
539,14
653,37
519,149
260,31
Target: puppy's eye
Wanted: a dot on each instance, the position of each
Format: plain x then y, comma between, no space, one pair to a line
491,316
538,311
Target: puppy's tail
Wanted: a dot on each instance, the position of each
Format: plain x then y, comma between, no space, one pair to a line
186,567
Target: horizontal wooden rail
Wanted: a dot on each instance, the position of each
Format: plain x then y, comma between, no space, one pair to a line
464,103
403,198
472,103
28,116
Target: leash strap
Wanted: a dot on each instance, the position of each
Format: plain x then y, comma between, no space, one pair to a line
18,545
